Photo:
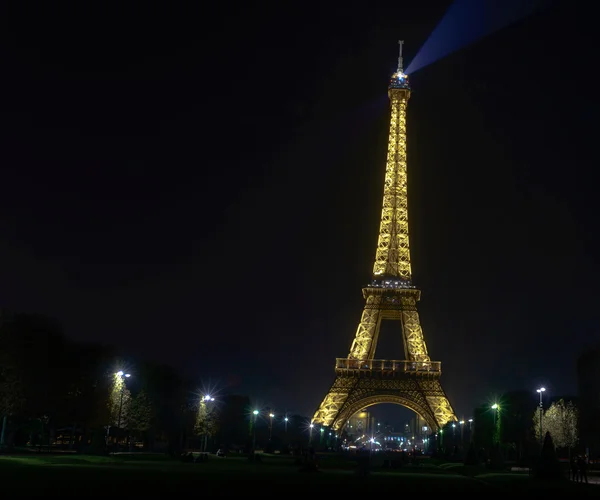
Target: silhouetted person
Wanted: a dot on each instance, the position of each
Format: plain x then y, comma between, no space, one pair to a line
582,467
574,470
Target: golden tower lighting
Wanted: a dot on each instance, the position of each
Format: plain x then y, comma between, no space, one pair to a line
361,380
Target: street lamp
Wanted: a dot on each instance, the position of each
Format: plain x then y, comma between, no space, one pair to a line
496,409
206,399
540,391
271,415
255,413
286,421
121,375
310,428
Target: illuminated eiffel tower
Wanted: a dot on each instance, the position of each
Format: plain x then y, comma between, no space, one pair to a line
362,381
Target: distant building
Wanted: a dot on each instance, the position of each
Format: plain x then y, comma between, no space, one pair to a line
360,423
588,378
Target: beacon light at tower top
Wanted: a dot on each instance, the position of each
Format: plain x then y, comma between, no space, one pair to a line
399,79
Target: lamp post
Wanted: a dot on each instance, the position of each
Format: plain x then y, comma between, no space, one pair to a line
255,413
121,376
285,421
205,400
540,391
271,415
310,428
453,434
496,409
462,434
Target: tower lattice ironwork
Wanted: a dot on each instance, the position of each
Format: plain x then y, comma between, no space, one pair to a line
361,380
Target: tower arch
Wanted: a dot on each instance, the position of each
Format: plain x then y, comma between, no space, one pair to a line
420,408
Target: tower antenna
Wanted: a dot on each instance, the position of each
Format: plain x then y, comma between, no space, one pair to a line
400,61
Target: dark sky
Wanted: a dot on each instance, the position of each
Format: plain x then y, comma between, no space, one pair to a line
203,186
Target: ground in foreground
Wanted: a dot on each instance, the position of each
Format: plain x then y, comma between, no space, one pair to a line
99,476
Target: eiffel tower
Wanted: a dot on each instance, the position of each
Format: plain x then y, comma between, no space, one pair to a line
361,380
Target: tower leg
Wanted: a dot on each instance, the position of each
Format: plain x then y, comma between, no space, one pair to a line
334,401
365,340
414,342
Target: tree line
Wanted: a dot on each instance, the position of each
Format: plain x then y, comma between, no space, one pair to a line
58,392
509,429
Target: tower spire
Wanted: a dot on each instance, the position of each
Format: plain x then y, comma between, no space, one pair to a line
392,258
400,60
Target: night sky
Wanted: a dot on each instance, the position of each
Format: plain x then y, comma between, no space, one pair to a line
204,186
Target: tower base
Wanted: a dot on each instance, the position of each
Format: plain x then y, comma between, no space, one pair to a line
413,385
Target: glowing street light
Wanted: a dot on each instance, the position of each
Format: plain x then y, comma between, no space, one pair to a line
120,374
206,399
496,408
540,391
271,415
285,419
310,428
255,413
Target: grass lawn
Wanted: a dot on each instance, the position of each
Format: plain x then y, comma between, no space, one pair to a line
80,475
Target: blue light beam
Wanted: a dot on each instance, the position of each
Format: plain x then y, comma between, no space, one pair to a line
467,21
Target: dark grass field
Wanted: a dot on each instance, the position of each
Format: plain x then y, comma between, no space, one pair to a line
276,476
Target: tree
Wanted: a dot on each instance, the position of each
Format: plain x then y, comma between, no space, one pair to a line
169,394
139,413
119,402
234,419
12,396
32,365
517,436
206,421
471,458
560,420
548,466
